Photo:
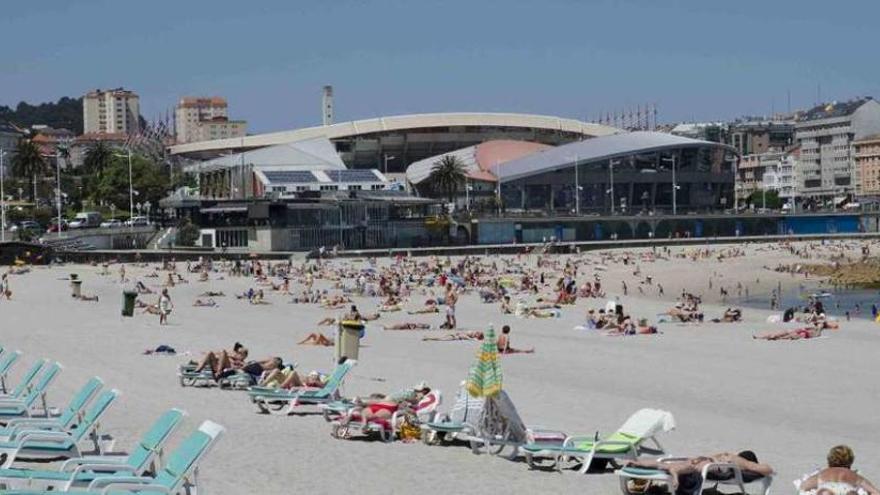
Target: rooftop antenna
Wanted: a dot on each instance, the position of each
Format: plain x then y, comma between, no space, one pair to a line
327,105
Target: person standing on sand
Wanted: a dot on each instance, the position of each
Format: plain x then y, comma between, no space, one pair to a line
165,307
121,273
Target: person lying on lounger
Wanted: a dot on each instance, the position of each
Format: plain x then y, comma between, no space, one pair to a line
224,360
407,326
317,339
686,473
385,407
838,477
796,334
209,303
287,378
476,335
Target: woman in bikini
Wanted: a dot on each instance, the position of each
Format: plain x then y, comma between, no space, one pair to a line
796,334
838,478
317,339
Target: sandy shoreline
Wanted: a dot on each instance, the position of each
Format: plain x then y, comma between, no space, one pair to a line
787,401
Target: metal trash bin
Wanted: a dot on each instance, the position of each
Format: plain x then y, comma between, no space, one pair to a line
128,299
76,288
348,336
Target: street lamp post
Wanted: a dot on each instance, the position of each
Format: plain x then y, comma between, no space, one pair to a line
498,186
611,164
577,188
2,200
58,192
674,185
130,190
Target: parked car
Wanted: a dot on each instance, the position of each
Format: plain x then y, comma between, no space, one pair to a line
111,224
137,222
27,225
86,220
53,227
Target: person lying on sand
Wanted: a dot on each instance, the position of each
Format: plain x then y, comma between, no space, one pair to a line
140,288
729,316
796,334
327,321
211,293
476,335
838,477
687,472
317,339
88,298
209,303
504,343
407,326
430,307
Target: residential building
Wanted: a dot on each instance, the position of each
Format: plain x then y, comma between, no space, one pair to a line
111,111
825,135
769,171
759,136
204,119
9,136
81,145
867,156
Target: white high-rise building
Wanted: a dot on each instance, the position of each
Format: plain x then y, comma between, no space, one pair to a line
825,135
205,119
112,111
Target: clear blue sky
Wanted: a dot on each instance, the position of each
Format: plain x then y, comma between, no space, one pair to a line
701,59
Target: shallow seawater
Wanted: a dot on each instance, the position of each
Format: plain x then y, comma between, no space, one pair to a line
836,302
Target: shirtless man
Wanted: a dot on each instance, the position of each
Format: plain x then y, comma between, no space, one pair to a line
476,335
682,469
503,343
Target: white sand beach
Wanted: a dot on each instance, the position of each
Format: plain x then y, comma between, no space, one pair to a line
789,401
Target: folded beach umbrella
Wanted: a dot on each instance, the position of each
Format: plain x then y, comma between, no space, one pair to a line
484,377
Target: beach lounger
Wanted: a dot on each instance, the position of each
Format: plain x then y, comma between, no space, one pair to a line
71,414
284,402
628,442
726,474
16,408
461,419
189,377
179,475
53,444
387,429
24,386
146,455
7,361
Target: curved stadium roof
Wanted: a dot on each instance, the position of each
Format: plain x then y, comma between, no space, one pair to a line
478,160
598,149
399,123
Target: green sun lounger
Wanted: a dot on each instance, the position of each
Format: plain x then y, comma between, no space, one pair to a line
146,455
16,408
52,444
65,421
628,442
179,473
7,361
25,384
283,402
727,474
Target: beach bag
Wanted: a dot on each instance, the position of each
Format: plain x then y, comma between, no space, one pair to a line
409,431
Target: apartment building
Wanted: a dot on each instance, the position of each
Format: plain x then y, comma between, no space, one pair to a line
866,152
205,119
825,135
112,111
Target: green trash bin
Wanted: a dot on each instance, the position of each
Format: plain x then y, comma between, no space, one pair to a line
128,298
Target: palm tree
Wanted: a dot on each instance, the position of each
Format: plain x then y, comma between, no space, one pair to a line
447,174
28,163
97,159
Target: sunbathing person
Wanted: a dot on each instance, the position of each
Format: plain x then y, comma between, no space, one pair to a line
88,298
258,368
211,293
209,303
427,309
686,473
317,339
503,343
327,321
142,289
259,298
838,478
370,316
385,407
222,361
730,316
476,335
407,326
796,334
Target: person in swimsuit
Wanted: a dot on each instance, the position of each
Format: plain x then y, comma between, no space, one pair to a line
407,326
503,343
838,478
685,470
224,360
386,406
796,334
456,336
317,339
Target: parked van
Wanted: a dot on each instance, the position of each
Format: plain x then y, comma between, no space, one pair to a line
86,220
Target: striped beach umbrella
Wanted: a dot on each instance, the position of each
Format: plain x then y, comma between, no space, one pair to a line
484,377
